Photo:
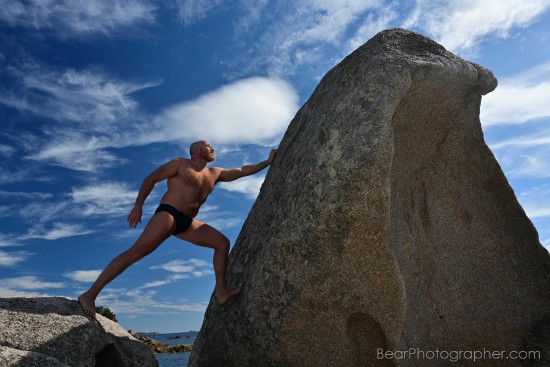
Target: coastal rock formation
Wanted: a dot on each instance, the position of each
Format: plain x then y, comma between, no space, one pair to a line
54,332
158,347
385,223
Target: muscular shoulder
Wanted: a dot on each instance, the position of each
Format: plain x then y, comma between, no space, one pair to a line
216,172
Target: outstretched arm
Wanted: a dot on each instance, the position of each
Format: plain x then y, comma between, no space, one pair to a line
232,174
163,172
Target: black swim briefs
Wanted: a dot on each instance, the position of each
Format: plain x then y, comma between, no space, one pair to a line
182,221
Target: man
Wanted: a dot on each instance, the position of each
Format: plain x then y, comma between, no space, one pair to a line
190,182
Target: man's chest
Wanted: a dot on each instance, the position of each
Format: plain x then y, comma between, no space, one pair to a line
203,180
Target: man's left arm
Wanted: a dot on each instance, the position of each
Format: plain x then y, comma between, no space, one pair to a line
227,175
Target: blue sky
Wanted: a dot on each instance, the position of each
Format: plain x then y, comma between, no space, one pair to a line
95,94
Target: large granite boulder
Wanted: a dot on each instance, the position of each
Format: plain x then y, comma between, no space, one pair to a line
385,223
54,332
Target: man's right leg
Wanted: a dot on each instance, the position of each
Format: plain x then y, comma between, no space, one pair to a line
159,228
202,234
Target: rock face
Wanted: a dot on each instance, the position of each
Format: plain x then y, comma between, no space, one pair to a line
53,332
384,222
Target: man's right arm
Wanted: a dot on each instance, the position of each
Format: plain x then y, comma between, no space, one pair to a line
163,172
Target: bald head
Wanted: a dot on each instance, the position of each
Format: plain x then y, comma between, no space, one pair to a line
202,149
196,145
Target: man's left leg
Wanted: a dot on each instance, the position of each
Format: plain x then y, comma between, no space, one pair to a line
202,234
159,228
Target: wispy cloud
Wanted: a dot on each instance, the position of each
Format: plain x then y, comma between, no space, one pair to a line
56,231
89,97
21,286
139,301
90,109
525,155
372,24
12,258
25,195
108,198
522,162
77,18
461,24
48,215
305,34
6,150
538,138
8,292
191,266
536,201
170,279
250,186
184,269
518,99
192,11
29,282
83,275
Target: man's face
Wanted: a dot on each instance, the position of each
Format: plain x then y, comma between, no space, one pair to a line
207,152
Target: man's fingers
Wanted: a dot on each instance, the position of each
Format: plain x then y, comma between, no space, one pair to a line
133,219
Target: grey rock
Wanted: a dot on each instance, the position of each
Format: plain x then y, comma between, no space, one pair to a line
384,222
53,331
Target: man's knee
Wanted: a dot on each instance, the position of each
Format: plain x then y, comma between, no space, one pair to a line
224,244
137,253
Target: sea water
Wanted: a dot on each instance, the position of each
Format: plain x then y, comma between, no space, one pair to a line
173,359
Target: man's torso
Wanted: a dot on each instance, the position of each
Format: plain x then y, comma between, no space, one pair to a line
189,188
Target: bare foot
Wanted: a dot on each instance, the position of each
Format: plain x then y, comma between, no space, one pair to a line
225,294
88,304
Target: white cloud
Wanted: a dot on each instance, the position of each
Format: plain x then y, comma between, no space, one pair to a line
173,279
56,231
373,24
536,201
536,139
525,155
7,293
250,186
185,266
13,258
90,97
519,98
138,301
460,25
254,110
44,211
307,33
192,11
76,18
520,163
536,211
92,111
25,195
108,198
71,149
83,275
20,174
6,150
29,282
